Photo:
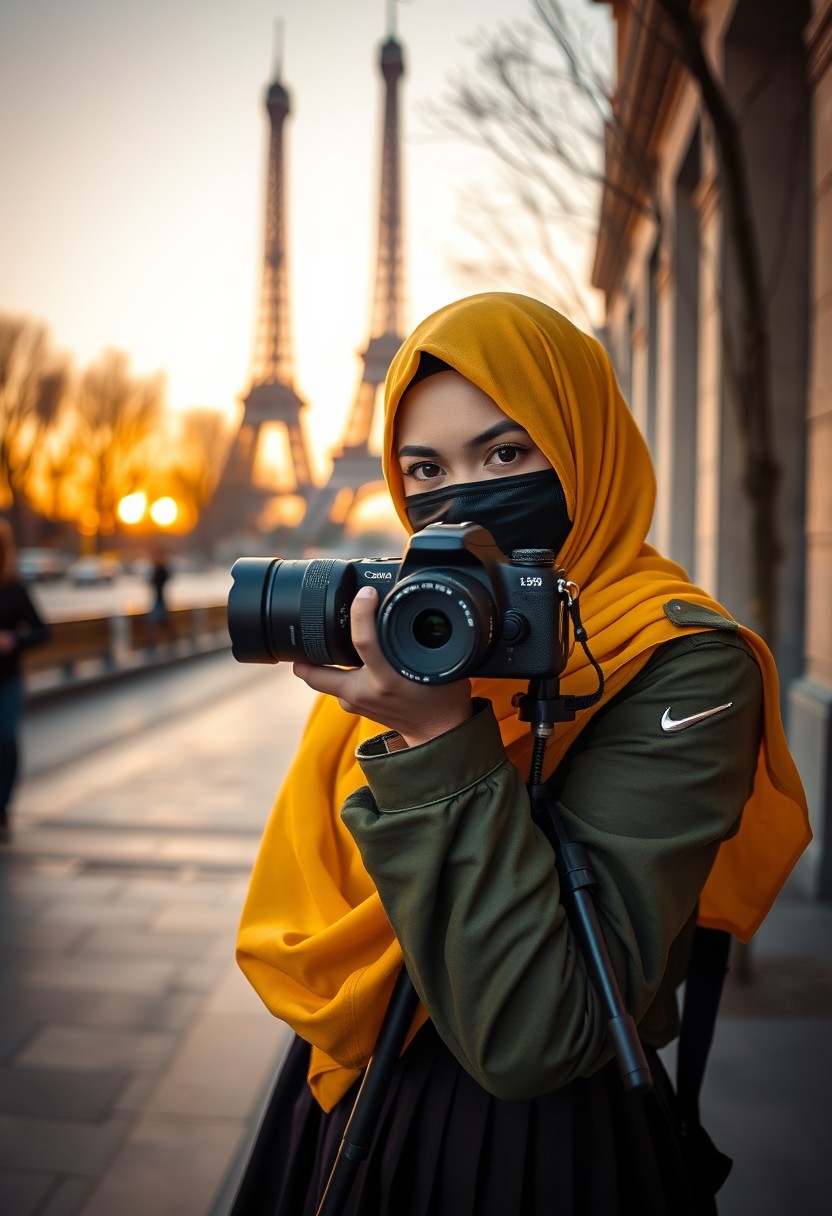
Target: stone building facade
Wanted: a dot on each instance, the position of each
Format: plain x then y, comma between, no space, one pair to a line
664,261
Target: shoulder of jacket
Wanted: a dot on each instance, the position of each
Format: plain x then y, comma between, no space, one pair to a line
724,642
684,614
714,629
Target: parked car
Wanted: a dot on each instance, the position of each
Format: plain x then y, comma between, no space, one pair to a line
41,565
95,568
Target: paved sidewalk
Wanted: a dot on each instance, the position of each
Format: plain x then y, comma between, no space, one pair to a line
767,1097
133,1056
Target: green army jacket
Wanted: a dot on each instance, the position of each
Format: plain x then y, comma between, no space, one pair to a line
469,885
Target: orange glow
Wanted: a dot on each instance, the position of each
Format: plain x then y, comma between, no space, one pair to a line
273,468
342,504
373,509
88,521
164,512
131,509
286,510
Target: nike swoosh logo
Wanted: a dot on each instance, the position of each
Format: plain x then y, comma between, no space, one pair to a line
671,725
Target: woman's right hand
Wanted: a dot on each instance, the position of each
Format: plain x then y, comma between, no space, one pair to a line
418,712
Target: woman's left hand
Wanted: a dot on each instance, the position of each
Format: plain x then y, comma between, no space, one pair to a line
376,691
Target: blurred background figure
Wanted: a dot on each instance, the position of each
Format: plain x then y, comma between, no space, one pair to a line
159,618
20,627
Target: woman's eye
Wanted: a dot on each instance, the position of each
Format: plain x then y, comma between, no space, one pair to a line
506,453
424,471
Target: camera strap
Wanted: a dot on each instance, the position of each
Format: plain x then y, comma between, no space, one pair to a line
574,610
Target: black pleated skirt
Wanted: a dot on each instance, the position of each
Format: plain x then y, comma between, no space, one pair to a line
445,1147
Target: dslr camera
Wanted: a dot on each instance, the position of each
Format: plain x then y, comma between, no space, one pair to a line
453,606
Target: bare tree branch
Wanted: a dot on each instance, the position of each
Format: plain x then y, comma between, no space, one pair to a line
33,386
117,417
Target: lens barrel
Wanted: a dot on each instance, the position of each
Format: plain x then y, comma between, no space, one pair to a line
251,577
437,628
281,611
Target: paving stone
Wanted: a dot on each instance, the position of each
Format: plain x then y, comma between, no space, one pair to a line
182,891
134,1093
68,1197
58,1093
22,1192
38,936
127,848
776,1188
234,994
199,976
94,914
178,1009
167,1168
155,944
187,917
109,974
760,1131
92,1007
81,1047
12,1032
59,1146
221,1066
38,887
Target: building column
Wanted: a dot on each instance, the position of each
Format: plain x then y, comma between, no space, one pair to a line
677,290
810,696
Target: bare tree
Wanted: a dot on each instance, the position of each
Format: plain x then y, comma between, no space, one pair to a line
542,103
55,473
539,102
33,385
117,416
199,454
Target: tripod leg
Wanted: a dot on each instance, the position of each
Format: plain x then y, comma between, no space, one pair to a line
358,1135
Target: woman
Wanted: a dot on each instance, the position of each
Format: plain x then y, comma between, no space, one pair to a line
20,627
403,829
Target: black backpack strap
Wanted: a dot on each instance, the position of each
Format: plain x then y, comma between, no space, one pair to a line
703,988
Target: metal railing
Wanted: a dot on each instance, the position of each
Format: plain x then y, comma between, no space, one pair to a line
83,652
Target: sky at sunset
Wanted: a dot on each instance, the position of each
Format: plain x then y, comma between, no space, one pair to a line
133,140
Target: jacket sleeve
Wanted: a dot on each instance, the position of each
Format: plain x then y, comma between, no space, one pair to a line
469,884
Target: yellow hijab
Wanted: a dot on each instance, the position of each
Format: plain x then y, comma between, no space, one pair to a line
314,939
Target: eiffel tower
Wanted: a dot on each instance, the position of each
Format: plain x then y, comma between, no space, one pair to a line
243,502
356,471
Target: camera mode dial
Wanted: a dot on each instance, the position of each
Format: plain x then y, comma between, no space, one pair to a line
532,557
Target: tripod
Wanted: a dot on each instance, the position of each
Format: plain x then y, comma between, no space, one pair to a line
542,707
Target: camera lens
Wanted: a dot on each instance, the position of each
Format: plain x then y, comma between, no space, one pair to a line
437,628
279,611
431,628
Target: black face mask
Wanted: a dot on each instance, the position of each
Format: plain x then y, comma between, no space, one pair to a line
527,511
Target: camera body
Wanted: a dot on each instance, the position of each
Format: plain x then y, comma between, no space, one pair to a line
454,606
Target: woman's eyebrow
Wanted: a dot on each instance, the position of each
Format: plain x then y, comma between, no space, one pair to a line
494,432
414,449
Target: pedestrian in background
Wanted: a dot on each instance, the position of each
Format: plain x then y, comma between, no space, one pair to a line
20,628
160,618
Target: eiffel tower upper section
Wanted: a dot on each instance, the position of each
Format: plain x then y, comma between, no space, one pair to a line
356,471
387,318
239,500
272,397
